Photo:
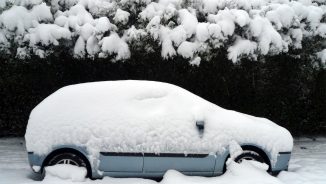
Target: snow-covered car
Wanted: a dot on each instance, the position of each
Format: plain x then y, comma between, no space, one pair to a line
144,128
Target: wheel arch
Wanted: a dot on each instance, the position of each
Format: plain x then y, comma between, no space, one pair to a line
261,152
255,148
69,149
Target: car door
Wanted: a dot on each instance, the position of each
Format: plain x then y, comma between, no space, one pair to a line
121,162
190,164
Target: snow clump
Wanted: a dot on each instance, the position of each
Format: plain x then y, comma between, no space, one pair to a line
65,172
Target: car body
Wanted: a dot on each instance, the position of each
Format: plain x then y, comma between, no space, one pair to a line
144,128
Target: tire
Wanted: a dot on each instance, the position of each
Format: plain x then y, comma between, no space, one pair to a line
250,155
68,158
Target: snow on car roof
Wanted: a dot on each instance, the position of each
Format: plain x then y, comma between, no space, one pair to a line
143,116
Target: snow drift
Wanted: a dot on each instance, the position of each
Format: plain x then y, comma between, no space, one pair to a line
144,116
248,172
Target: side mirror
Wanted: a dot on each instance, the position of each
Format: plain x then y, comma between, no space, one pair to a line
200,125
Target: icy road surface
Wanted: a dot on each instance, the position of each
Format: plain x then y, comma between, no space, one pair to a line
307,166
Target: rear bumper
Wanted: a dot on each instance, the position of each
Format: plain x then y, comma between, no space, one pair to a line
35,161
282,162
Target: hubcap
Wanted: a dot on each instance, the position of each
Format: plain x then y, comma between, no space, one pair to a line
245,158
67,161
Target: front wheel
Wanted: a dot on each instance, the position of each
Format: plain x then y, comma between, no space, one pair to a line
250,155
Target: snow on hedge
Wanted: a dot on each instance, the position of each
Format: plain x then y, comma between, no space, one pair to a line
189,28
322,56
145,117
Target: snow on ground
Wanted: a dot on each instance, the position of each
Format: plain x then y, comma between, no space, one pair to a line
308,163
14,167
307,166
235,174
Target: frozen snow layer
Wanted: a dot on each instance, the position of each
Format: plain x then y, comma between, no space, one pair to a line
307,166
270,26
144,116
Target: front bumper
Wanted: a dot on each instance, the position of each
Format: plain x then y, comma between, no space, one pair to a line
35,161
282,162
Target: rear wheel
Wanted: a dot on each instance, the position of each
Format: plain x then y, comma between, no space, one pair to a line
68,158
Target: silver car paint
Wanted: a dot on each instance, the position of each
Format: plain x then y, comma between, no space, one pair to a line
140,165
